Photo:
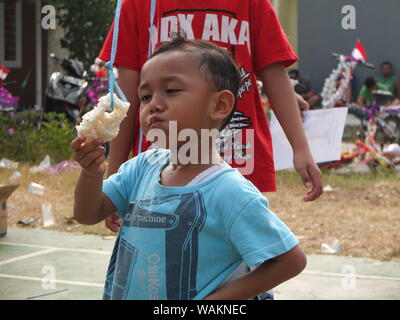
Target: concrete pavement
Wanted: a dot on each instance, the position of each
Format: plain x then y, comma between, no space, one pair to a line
37,262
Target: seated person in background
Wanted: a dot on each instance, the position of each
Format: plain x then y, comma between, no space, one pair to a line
303,88
389,79
366,96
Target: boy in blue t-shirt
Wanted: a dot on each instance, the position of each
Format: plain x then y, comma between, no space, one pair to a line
188,218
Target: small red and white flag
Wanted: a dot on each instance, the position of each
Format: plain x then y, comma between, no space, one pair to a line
4,72
359,52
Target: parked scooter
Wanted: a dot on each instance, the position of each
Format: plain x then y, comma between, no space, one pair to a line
66,92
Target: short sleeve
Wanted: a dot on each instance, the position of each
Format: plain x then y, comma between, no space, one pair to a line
270,43
118,187
363,92
128,38
258,234
382,86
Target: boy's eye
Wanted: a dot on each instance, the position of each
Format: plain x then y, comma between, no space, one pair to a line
172,90
145,98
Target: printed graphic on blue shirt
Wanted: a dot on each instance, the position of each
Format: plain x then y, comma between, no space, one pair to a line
165,267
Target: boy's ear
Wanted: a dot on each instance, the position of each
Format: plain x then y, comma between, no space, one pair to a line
223,105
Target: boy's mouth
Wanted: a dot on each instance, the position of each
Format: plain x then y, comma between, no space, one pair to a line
155,121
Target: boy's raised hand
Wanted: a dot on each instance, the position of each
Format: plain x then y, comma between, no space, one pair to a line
89,155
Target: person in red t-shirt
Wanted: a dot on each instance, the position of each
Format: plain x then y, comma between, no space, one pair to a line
250,30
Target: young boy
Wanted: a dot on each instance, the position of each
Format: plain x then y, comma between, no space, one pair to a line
185,226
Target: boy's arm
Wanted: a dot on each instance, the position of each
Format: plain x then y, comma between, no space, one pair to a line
268,275
361,101
91,205
128,80
281,94
303,104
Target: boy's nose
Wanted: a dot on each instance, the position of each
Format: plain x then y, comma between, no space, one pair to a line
156,104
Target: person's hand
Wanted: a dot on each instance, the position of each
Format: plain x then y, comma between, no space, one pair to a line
89,155
113,222
310,174
303,104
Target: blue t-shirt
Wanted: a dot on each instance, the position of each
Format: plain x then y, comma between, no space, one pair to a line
182,242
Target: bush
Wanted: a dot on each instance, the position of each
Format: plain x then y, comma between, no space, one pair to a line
31,135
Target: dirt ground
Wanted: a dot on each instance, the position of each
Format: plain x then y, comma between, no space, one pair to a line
362,212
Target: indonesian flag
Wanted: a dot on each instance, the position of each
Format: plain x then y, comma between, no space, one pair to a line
4,72
359,52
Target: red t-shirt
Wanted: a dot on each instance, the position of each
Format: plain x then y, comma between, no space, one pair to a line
250,30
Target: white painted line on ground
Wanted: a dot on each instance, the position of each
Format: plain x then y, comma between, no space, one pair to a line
56,248
26,256
77,283
50,249
359,276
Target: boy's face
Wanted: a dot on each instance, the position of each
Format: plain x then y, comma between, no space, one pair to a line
172,88
386,70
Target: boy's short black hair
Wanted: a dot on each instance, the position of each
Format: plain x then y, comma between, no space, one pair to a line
370,82
215,62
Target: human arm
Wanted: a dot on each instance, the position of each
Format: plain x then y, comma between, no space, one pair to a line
303,104
266,276
90,204
283,101
127,60
361,101
128,80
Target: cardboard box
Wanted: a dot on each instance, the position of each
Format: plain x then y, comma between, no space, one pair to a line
5,192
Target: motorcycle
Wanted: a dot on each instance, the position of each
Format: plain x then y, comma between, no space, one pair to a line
66,91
